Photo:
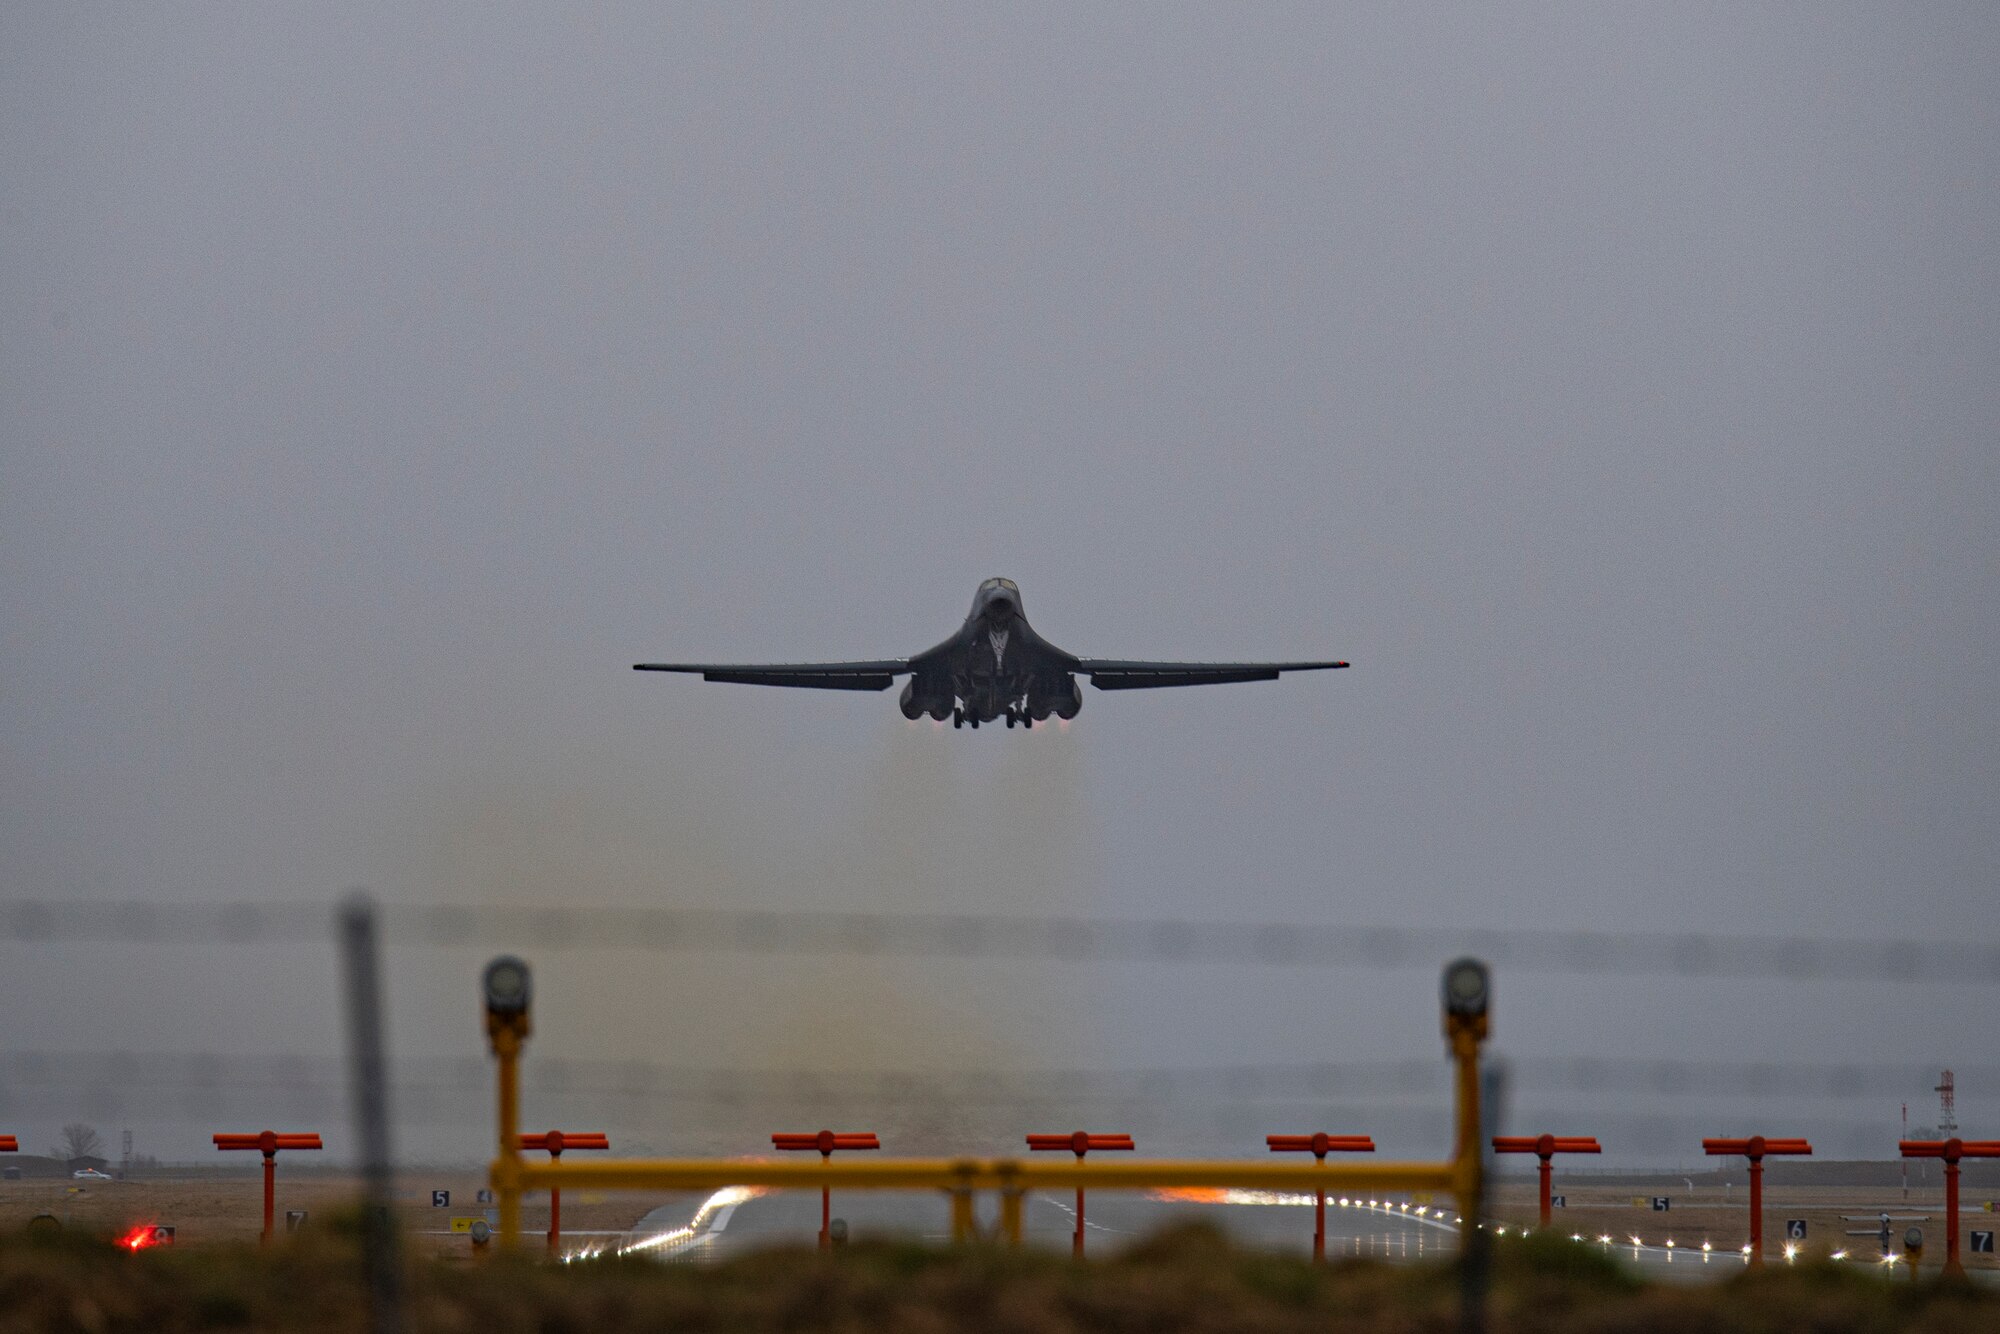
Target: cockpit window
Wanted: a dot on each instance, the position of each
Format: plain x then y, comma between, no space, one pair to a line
1007,584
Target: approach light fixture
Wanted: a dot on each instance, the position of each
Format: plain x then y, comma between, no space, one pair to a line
1466,987
508,986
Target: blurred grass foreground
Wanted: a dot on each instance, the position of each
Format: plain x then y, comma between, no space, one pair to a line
1186,1278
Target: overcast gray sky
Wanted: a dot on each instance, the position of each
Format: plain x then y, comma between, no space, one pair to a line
1615,387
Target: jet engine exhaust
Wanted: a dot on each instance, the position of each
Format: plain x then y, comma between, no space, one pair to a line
1063,704
915,706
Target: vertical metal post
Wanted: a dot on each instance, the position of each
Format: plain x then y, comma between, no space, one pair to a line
1478,1258
1076,1243
964,1227
1319,1221
1756,1210
368,1076
1010,1215
507,1189
1951,1261
270,1193
555,1203
1548,1168
1467,988
826,1207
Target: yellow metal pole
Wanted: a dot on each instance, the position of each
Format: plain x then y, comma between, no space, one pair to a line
1010,1215
1468,1159
507,1168
963,1226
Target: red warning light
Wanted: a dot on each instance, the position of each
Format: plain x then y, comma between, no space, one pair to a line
145,1237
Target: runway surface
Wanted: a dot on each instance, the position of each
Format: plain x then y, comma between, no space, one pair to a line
737,1222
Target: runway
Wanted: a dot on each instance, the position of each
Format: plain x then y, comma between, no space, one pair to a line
738,1222
1114,1220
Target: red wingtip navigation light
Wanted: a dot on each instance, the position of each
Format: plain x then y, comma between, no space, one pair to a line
1319,1146
1951,1150
1756,1148
825,1143
1078,1142
554,1142
1545,1147
268,1143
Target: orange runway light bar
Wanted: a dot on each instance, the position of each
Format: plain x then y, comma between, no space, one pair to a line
1951,1150
268,1142
1545,1147
1755,1149
1079,1142
825,1143
1319,1146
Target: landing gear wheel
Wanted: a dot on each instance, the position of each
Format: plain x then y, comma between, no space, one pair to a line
975,722
958,717
1010,720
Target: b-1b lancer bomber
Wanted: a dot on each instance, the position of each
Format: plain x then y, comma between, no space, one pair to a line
995,667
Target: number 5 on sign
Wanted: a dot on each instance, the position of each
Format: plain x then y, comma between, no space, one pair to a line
440,1199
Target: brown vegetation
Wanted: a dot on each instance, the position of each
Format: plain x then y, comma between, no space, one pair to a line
1185,1279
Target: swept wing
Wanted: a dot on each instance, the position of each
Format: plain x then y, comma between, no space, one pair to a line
805,675
1122,674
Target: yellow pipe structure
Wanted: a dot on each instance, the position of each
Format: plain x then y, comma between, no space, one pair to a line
1462,1176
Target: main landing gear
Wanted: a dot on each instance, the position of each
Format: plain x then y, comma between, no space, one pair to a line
1014,717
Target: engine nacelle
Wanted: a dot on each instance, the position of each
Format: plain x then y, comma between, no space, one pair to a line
1064,703
915,706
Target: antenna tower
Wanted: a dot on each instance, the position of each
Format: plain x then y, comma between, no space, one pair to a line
1947,1090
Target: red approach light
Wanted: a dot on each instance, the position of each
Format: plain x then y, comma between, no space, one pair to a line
1951,1150
824,1143
144,1237
267,1142
1319,1145
1079,1142
1756,1148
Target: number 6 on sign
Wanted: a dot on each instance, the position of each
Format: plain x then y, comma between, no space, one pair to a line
1795,1229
